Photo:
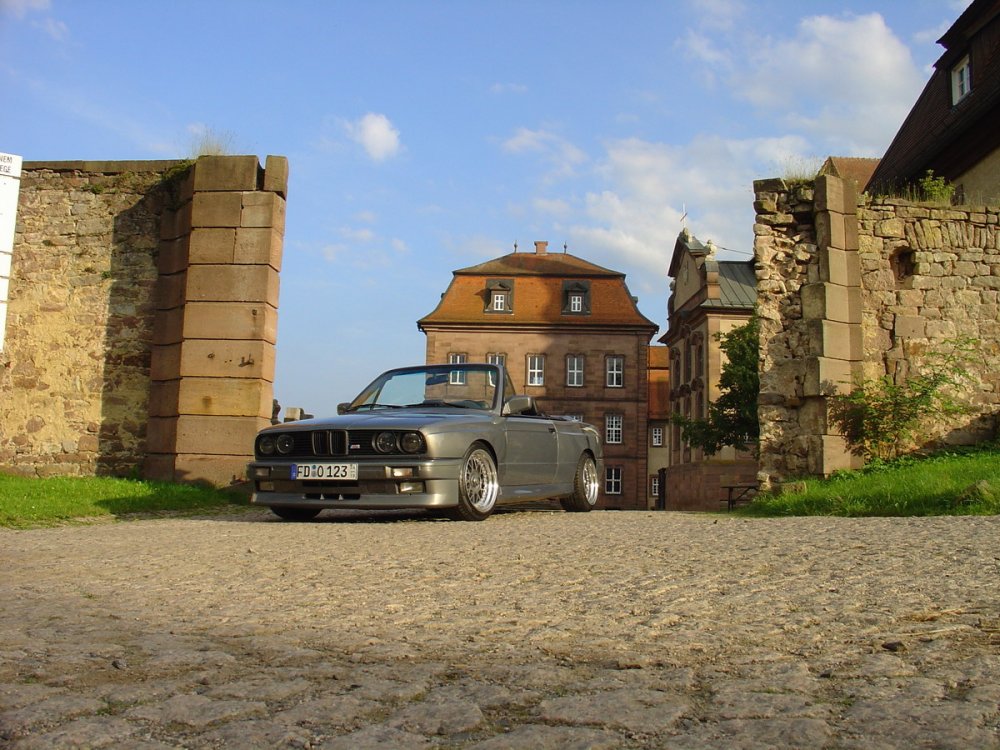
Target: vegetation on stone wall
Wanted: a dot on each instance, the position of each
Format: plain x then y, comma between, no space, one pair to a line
881,417
935,189
732,417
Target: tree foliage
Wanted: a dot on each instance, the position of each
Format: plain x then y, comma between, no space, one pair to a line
732,417
881,417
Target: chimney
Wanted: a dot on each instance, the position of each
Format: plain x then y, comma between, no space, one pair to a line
541,247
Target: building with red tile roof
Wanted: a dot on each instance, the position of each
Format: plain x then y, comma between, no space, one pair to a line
571,335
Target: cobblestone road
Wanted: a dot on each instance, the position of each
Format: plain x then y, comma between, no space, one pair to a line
531,630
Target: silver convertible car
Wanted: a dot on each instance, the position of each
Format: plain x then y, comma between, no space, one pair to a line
451,437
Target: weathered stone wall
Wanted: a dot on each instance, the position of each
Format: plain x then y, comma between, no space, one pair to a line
850,287
140,332
74,372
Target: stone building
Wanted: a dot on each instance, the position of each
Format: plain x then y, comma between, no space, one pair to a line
571,335
952,128
709,297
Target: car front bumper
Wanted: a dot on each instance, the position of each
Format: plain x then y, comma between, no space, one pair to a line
403,483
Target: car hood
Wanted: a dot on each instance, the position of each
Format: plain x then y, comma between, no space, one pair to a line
390,419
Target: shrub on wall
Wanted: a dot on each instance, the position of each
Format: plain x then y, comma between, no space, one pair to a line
881,417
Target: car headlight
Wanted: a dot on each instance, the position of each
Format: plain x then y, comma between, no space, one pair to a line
285,444
411,442
265,445
385,442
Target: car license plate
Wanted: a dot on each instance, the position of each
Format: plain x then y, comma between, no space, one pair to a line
347,472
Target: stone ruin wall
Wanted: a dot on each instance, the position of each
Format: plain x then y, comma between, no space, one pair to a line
74,372
142,316
853,287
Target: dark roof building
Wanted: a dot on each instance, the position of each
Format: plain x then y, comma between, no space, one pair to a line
708,297
954,127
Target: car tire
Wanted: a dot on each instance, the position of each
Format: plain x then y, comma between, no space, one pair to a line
478,485
586,487
296,514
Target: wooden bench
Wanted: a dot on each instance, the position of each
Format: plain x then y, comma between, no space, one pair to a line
738,494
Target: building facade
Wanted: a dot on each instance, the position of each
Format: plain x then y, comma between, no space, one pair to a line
709,297
570,334
658,444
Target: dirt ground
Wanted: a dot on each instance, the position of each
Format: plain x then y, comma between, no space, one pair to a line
532,629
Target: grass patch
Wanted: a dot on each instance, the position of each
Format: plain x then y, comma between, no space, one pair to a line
956,482
28,502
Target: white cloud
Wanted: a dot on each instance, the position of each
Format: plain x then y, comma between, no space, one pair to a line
20,8
562,156
853,76
508,88
53,28
719,14
633,220
357,235
701,47
376,135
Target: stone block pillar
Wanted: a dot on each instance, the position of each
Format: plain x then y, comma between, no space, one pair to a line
216,319
832,312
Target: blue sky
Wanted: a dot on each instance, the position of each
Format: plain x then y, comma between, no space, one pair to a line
427,136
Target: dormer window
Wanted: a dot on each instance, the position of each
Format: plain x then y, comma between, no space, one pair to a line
576,298
500,296
961,80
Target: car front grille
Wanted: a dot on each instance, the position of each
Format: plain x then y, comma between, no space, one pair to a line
329,443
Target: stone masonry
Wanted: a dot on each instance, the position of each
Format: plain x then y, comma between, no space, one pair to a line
853,287
213,347
117,267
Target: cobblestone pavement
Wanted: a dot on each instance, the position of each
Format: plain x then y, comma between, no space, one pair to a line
531,630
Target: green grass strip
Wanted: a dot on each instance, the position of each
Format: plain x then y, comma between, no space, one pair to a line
29,502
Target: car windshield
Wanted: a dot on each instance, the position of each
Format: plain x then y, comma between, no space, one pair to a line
464,386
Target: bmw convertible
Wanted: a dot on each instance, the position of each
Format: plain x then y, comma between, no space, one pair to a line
454,438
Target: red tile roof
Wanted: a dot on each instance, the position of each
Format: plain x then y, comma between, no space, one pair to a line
537,295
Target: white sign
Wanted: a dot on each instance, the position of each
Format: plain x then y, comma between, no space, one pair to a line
10,184
10,165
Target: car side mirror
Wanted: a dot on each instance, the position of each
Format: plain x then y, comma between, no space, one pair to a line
342,408
519,405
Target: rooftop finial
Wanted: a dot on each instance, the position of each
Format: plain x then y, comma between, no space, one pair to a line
565,247
515,246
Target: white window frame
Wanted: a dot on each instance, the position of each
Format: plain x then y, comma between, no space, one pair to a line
613,480
457,377
654,485
575,364
536,370
576,302
657,437
615,371
499,301
496,358
614,429
961,80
